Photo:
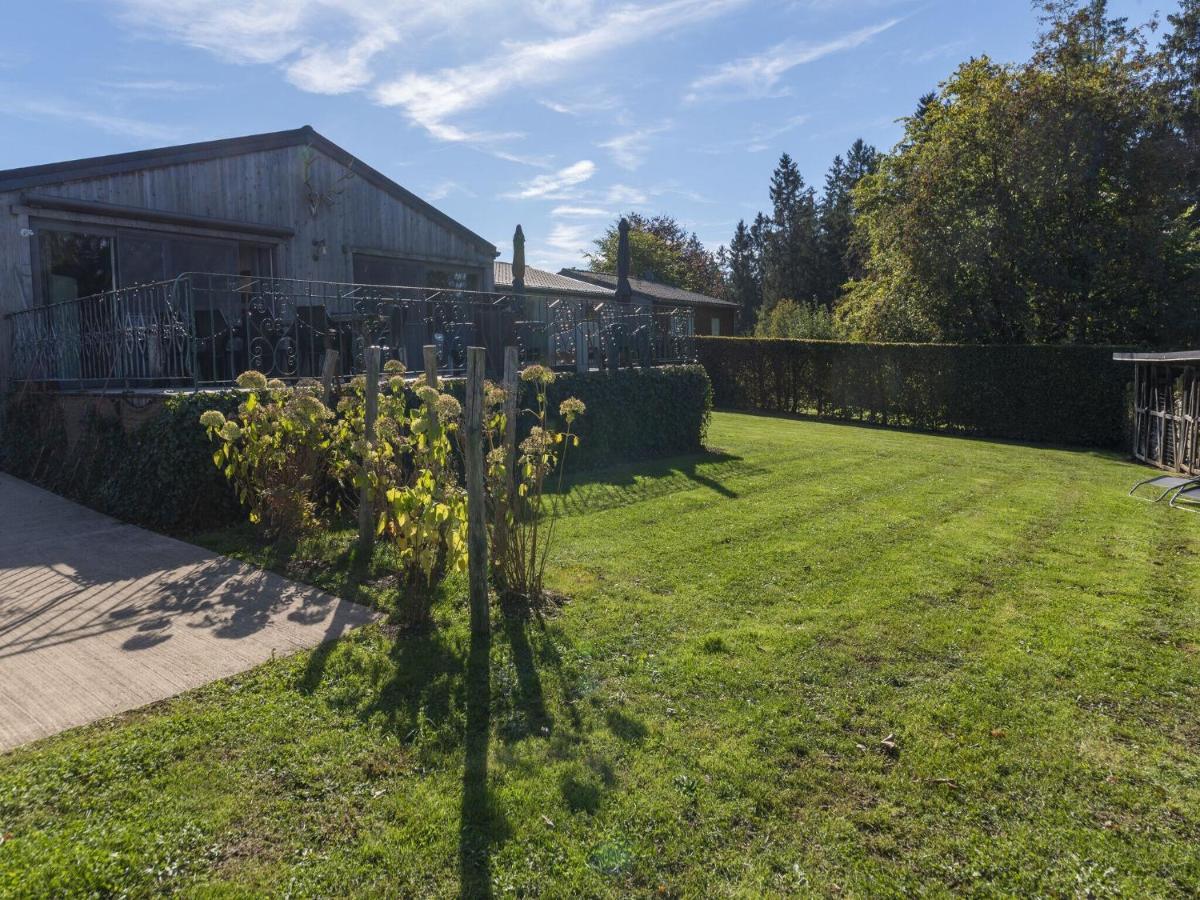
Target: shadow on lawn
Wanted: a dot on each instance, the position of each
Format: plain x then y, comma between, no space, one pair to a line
592,492
481,823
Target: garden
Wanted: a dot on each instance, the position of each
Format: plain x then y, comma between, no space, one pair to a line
815,658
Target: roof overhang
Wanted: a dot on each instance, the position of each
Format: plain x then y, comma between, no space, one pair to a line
1180,356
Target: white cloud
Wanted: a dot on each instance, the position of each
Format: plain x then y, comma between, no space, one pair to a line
444,189
624,195
338,70
594,102
629,150
431,100
381,47
756,76
154,86
323,46
582,212
555,185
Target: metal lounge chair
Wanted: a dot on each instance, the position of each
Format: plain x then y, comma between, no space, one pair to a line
1165,485
1187,497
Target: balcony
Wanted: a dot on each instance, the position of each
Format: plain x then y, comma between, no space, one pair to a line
202,330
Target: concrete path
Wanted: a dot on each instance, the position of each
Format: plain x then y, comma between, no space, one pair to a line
97,617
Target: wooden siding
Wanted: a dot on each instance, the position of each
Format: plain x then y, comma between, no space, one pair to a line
265,187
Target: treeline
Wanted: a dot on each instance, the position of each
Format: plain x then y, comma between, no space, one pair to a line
1053,200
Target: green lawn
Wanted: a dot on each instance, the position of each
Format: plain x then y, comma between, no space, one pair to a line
706,716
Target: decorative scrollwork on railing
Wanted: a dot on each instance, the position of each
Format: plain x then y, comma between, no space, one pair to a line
205,329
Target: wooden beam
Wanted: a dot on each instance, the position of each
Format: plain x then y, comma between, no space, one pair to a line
145,214
477,540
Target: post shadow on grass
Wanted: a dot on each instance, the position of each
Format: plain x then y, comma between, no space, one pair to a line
480,822
530,699
357,566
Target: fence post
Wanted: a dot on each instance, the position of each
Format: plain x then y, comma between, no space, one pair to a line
366,506
511,386
581,348
430,353
328,371
477,542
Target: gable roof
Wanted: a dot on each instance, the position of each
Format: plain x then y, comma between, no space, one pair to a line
654,290
541,281
121,163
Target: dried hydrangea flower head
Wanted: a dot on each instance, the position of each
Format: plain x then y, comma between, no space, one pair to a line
307,406
394,367
493,394
252,380
537,442
212,418
448,408
571,408
276,384
537,375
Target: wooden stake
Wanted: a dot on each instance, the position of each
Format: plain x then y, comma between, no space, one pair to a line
366,505
511,387
477,540
430,353
328,373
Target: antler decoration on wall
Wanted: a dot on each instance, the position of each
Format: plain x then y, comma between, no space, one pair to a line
316,198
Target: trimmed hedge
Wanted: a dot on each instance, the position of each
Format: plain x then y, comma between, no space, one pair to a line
1045,393
161,475
634,414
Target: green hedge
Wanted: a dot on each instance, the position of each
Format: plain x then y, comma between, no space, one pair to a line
1045,393
632,414
161,474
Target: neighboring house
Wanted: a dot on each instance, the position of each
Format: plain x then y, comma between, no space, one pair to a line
542,336
712,316
289,204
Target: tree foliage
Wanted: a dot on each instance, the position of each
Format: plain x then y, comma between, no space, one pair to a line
1043,202
662,250
800,255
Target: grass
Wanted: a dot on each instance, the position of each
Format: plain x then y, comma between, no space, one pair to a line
710,714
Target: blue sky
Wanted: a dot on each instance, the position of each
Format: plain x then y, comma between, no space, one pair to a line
557,115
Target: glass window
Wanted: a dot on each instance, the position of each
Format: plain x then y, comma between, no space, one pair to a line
141,259
452,279
370,269
74,264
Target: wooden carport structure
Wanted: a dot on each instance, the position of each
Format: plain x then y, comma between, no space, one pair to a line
1166,408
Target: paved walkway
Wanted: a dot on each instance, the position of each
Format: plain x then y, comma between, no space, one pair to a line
97,617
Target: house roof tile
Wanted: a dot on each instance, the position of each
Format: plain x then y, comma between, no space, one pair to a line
663,293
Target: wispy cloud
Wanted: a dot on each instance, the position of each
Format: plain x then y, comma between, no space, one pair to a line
757,138
580,212
154,86
433,100
629,150
757,76
444,189
323,46
581,106
55,110
555,185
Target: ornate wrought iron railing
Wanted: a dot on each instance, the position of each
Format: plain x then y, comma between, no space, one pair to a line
204,329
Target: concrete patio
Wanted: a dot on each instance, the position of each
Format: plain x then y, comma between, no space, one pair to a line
98,617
